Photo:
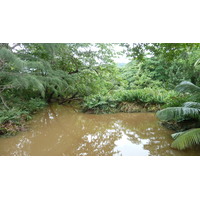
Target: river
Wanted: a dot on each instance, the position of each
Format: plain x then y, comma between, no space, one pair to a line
62,131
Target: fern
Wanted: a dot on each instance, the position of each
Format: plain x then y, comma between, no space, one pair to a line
186,139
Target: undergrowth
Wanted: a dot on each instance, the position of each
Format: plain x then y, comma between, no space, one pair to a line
12,120
110,103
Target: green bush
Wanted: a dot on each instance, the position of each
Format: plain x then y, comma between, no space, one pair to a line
14,115
21,110
33,105
146,95
12,120
176,100
110,102
99,104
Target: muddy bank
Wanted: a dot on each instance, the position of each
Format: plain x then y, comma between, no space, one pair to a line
125,107
10,128
136,107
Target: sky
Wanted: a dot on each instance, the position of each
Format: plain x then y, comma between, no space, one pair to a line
121,58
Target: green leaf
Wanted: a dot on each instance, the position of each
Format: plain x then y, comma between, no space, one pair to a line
187,86
186,139
192,105
178,113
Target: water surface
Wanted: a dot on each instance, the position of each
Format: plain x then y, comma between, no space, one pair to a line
60,130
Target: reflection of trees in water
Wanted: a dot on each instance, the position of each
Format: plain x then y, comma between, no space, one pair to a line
99,142
85,134
97,137
59,130
157,138
99,145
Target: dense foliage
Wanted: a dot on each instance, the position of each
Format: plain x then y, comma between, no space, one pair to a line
112,102
188,111
35,74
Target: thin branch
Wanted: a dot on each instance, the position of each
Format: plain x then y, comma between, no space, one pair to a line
17,44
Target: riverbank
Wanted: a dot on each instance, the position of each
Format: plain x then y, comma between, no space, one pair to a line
125,107
126,101
19,123
14,120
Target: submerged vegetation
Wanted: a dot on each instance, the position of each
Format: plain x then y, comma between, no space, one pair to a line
159,77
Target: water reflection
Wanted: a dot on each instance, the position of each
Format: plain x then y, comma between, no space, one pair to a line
59,130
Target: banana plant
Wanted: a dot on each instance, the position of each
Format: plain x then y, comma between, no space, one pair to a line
189,110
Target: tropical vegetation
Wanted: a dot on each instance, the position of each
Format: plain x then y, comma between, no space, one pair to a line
162,77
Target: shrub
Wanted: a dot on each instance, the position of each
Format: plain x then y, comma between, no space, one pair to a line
15,115
33,105
99,104
176,100
110,102
12,121
146,95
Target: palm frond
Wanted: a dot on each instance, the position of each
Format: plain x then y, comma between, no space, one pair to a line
189,87
178,113
187,139
192,105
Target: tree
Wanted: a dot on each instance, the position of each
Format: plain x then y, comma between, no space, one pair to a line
167,63
169,50
55,71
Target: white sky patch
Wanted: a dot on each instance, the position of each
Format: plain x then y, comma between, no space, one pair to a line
121,58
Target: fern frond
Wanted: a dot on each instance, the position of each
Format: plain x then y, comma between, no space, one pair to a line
178,113
189,87
187,139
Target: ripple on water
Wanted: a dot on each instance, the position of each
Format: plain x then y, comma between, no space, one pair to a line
59,130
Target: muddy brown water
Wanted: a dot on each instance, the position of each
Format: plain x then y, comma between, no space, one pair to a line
61,130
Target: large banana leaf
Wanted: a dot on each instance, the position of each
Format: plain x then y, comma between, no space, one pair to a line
186,139
189,87
178,114
192,105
